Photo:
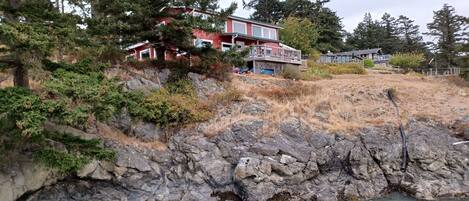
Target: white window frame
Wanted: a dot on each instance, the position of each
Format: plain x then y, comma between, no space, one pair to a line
272,32
245,26
203,40
144,51
262,31
223,43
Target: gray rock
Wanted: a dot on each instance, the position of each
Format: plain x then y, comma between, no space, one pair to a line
147,132
255,108
294,164
138,83
204,86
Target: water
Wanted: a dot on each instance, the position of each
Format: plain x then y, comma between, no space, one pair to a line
401,197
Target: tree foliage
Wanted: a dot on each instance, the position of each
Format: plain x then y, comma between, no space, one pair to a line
299,33
448,28
391,34
30,30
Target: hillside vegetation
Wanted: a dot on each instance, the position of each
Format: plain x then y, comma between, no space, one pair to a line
348,102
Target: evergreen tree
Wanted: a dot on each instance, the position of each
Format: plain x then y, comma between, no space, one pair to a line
269,11
368,34
448,28
410,36
29,32
391,42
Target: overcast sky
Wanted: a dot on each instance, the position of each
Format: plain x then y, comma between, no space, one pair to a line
352,11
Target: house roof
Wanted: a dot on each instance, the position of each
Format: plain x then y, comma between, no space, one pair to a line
360,52
254,22
136,45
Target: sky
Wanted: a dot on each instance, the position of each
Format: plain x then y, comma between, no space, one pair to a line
353,11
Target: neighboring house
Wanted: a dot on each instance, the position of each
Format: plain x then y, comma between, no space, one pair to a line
267,54
375,54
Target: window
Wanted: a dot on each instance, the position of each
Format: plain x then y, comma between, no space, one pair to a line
239,27
145,54
264,32
226,46
199,43
257,31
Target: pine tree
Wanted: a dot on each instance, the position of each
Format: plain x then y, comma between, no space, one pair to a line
368,34
412,40
391,42
269,11
448,28
29,32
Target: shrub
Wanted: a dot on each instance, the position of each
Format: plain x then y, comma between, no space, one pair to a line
75,97
79,152
174,105
336,68
407,60
291,72
368,63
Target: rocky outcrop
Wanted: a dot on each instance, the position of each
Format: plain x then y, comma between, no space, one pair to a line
296,163
25,176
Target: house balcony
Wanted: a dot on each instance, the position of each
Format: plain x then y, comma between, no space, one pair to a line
274,54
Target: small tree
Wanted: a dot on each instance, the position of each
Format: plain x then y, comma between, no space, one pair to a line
299,33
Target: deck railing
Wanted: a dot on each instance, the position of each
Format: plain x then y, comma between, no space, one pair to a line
278,54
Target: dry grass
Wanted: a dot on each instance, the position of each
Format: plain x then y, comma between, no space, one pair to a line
292,90
351,102
113,134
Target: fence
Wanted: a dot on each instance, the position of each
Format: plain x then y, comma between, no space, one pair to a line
441,71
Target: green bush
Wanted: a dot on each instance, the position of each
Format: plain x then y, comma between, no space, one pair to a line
291,72
407,60
172,106
368,63
75,97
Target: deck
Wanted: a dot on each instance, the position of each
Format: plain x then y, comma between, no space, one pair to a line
274,54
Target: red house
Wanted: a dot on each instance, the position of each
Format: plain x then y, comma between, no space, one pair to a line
267,53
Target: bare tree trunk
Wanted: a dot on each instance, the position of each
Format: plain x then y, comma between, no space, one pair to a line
21,76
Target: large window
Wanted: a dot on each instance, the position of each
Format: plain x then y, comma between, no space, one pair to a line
257,31
264,32
239,27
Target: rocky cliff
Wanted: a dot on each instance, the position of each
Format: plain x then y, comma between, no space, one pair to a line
252,159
